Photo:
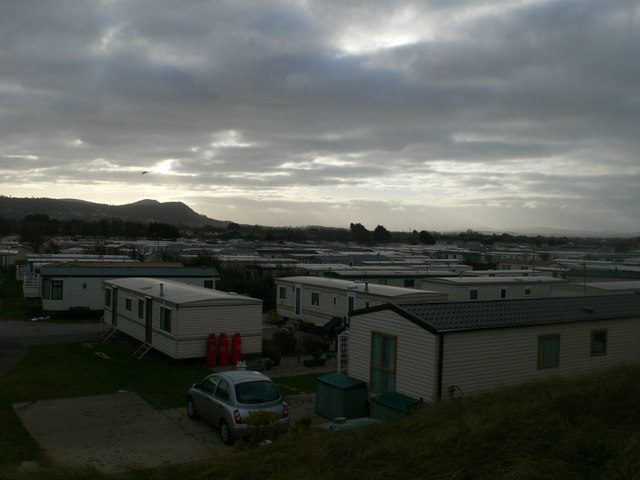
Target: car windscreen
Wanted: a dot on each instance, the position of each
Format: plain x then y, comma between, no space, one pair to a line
256,392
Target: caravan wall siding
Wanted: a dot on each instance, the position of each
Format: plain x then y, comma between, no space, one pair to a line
196,323
190,325
322,313
482,359
85,292
416,352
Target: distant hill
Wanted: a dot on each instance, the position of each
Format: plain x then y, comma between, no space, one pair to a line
148,211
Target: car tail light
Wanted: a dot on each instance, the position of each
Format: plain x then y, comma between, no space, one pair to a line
237,417
285,410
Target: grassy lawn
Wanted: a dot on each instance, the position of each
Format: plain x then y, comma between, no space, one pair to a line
584,428
12,305
298,384
75,369
67,370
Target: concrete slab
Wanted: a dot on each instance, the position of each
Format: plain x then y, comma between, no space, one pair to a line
117,431
198,428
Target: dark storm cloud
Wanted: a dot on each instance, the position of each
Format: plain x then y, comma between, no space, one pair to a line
522,100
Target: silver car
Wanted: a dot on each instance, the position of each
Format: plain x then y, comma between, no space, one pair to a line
226,400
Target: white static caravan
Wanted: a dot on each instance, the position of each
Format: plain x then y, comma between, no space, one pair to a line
460,289
320,300
440,350
77,286
31,274
176,318
597,288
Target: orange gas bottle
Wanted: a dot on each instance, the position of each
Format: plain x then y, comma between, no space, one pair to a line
211,350
236,348
223,348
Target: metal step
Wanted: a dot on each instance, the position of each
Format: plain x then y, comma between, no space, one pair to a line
108,333
141,351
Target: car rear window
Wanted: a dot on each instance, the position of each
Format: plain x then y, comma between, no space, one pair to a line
256,392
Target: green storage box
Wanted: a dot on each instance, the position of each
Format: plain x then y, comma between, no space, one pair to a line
393,405
339,395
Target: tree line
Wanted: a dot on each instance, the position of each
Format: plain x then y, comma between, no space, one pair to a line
36,228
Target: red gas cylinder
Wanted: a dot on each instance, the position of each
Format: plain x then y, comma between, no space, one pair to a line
223,348
236,348
211,350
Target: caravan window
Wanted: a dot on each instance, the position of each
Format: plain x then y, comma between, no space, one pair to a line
315,299
165,319
383,363
56,290
548,351
598,342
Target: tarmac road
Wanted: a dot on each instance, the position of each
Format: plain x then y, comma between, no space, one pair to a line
16,335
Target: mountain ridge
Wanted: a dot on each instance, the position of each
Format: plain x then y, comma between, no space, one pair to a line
146,210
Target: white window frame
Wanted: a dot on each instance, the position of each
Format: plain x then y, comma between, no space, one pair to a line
545,342
165,319
315,299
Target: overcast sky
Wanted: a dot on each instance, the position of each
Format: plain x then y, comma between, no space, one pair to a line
436,115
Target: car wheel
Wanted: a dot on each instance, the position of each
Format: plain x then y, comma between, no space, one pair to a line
225,433
191,409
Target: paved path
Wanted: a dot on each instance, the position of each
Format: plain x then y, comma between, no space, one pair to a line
115,432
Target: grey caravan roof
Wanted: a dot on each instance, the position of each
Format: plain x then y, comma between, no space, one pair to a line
115,271
349,286
468,281
178,293
460,316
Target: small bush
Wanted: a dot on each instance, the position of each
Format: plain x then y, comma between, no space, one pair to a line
301,425
285,340
273,317
269,348
312,345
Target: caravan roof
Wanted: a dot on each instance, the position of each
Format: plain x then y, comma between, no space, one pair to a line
177,292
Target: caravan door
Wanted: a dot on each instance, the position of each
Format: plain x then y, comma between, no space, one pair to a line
114,307
298,301
148,320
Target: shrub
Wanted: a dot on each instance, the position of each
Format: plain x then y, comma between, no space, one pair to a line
312,345
270,348
285,341
273,317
